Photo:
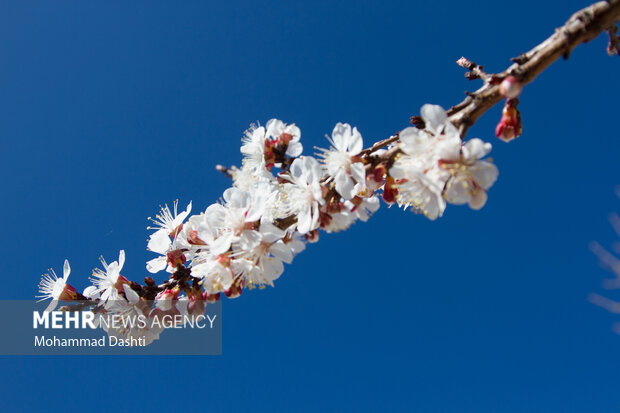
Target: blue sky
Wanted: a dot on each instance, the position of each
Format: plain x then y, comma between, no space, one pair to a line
109,110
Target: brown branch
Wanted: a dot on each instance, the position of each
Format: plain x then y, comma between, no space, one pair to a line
582,27
226,171
475,71
378,145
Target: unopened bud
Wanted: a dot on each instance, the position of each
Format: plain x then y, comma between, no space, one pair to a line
418,122
510,87
509,127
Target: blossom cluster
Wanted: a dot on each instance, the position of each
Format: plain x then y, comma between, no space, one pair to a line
278,202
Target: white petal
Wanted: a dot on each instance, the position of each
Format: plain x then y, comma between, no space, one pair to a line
478,199
156,265
458,191
273,269
448,149
121,259
249,239
159,242
484,173
475,149
340,135
222,244
294,149
344,184
355,144
304,220
411,135
52,305
434,116
282,252
297,167
66,270
358,172
270,232
274,127
91,292
398,170
215,215
372,204
131,295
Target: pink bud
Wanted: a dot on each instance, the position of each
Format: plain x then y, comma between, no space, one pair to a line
509,127
510,87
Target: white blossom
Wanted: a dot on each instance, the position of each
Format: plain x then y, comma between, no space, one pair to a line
218,272
418,190
259,142
263,221
287,135
54,288
471,177
265,256
110,279
418,172
236,218
363,208
303,194
169,224
253,148
342,162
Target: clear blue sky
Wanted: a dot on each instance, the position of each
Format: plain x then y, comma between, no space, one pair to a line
109,110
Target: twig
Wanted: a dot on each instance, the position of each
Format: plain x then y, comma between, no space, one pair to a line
226,171
582,27
475,71
378,145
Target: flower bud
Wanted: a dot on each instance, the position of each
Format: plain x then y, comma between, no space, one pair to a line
510,87
509,127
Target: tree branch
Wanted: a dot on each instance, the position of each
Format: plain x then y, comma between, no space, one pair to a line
582,27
